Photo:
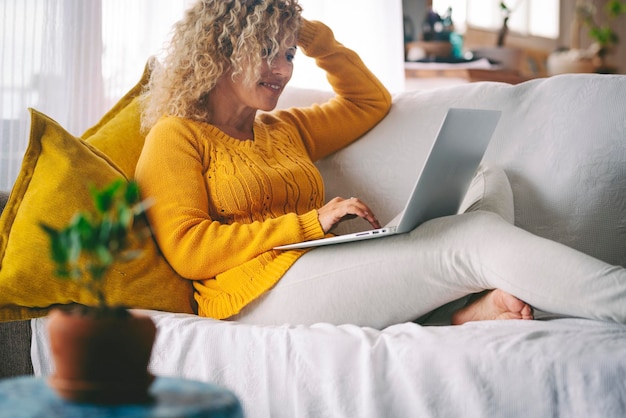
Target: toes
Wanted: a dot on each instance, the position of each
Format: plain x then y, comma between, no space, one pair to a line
527,312
496,304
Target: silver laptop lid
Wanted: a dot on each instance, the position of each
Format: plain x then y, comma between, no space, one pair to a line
453,159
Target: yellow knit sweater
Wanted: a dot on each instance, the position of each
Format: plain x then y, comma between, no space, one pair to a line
222,204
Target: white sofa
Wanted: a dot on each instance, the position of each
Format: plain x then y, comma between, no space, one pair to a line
562,144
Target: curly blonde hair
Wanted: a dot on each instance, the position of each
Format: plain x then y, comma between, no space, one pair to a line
214,37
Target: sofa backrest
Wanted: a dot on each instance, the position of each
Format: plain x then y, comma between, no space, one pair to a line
561,142
4,197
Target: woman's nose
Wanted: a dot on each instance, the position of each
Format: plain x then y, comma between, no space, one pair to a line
280,66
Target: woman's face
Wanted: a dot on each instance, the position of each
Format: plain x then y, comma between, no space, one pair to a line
263,93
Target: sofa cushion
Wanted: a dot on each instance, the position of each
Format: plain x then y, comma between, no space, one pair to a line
118,133
560,141
52,185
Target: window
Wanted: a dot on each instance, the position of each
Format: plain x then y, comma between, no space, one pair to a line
71,60
529,17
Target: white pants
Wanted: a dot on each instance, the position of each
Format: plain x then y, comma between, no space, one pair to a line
396,279
390,280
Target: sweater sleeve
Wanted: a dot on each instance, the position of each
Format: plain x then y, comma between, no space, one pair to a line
170,171
361,100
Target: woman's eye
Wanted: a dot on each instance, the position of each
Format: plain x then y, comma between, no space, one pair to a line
290,54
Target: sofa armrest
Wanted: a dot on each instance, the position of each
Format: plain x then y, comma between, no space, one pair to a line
4,197
15,337
15,340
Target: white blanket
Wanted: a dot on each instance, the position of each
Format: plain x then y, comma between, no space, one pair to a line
560,367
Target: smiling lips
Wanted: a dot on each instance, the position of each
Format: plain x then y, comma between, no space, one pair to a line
275,87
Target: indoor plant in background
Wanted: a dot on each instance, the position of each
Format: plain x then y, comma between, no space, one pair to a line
101,352
576,59
504,30
508,57
604,37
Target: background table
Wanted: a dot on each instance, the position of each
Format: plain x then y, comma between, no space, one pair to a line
30,397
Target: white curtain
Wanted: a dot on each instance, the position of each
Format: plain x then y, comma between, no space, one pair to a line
49,59
73,59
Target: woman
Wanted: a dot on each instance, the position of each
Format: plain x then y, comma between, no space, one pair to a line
230,184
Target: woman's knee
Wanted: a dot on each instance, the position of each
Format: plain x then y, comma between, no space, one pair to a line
474,225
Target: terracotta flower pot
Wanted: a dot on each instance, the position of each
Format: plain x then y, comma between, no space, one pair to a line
101,358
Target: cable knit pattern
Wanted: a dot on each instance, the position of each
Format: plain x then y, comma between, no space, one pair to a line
222,204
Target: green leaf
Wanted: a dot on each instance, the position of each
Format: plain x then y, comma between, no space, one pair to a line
125,216
132,195
604,35
104,256
615,8
105,232
59,244
93,241
82,226
63,272
97,273
74,245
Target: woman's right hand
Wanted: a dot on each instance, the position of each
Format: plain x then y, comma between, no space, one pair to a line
339,209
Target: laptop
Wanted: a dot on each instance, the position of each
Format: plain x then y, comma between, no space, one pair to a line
444,180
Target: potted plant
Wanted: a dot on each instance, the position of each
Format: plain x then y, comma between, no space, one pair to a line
504,29
101,352
604,38
508,57
594,58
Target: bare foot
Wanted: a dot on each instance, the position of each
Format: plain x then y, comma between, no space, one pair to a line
496,304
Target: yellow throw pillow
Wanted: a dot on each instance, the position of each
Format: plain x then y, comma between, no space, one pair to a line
118,134
52,185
